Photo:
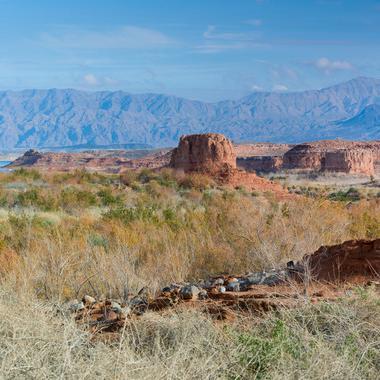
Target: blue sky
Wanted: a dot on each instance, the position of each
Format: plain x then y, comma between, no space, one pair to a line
200,49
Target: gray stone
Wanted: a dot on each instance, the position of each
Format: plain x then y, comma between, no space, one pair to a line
77,306
255,278
189,292
116,307
219,281
88,300
202,295
125,311
233,286
222,289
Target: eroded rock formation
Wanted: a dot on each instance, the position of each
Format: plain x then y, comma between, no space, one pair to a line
324,156
333,271
351,261
337,156
205,153
213,154
109,161
260,164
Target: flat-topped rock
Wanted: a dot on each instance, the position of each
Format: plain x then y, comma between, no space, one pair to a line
333,155
206,153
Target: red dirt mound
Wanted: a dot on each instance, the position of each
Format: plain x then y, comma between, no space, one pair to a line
353,261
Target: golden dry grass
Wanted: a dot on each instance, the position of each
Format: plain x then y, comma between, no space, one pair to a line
64,235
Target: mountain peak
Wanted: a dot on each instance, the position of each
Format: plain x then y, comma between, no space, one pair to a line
365,81
54,118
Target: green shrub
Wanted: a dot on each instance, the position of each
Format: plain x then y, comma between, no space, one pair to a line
108,199
128,215
74,198
351,195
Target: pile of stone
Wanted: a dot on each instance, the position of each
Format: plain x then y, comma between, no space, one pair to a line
109,315
320,276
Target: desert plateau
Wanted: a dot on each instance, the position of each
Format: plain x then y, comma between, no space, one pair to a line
190,190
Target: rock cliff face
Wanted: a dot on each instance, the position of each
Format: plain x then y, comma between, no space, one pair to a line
334,155
101,161
350,261
205,153
260,164
349,161
213,154
326,155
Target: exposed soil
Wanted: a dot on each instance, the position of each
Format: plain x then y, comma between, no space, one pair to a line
334,272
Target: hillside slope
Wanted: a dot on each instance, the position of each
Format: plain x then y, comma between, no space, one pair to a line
40,118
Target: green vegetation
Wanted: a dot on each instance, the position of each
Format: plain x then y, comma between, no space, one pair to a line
155,227
63,235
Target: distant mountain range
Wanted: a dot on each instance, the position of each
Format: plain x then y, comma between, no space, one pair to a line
57,118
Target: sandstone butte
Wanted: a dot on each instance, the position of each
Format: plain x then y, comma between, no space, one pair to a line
349,157
213,154
204,153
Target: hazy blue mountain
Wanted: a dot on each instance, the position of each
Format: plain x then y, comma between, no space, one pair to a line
52,118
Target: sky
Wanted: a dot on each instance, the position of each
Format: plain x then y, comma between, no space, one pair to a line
200,49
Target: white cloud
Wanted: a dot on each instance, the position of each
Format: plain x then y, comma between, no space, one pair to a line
327,65
91,80
126,37
216,41
212,34
280,87
255,87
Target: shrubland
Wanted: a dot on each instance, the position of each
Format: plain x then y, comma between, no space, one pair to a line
66,233
63,235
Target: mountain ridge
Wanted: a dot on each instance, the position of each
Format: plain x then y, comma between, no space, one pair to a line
67,117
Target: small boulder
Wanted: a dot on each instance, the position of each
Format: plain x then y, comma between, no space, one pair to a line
88,300
233,286
189,292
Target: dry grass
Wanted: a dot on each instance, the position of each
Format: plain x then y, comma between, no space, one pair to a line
327,341
64,235
99,235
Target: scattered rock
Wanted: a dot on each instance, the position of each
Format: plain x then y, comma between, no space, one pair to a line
116,307
88,300
353,262
189,292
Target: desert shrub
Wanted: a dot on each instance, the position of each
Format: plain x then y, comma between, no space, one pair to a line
365,224
351,195
107,198
145,175
168,178
128,177
128,215
75,198
329,340
83,177
23,173
34,197
196,181
159,233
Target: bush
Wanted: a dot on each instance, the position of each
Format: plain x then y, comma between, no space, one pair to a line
26,174
73,198
108,199
351,195
34,198
196,181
